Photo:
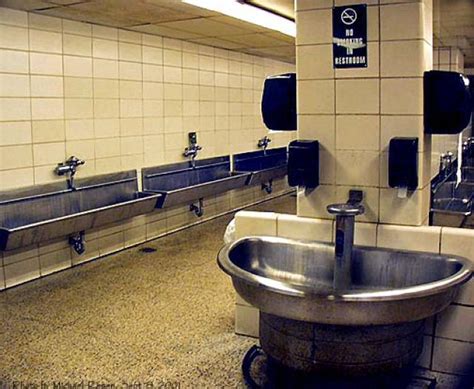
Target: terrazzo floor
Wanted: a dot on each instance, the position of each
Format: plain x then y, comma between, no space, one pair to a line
163,318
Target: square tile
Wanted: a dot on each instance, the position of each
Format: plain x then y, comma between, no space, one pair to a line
402,21
314,27
314,62
402,96
357,132
316,97
404,58
357,168
357,96
456,322
420,238
246,320
411,210
452,356
291,226
248,223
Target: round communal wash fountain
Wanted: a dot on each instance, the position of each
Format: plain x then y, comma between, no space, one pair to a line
373,324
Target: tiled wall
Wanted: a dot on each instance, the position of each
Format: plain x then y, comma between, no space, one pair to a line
451,59
355,112
118,99
121,100
449,341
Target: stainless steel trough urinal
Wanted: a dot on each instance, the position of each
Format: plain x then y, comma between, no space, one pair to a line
43,212
452,204
182,183
265,165
375,324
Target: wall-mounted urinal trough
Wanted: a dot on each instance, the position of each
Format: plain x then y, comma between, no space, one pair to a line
181,183
264,166
43,212
452,202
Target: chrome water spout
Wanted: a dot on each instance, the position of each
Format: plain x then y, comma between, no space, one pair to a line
69,168
345,217
263,143
192,152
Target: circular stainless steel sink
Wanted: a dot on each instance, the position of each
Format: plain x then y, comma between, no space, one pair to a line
306,324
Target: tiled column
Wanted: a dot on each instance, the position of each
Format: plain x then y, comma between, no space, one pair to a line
355,112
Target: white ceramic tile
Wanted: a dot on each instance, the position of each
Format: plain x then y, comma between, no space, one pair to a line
314,27
291,226
15,133
55,261
456,322
402,96
15,109
12,37
316,97
13,61
357,132
458,241
409,238
21,272
357,168
49,64
249,223
246,320
12,85
357,96
452,356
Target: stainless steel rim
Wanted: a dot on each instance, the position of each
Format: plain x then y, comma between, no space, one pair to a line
288,289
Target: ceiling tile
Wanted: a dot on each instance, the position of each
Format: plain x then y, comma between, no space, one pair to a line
216,42
164,31
205,26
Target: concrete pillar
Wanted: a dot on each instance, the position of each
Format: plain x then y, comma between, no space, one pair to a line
355,112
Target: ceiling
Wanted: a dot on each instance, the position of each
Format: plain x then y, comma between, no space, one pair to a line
169,18
453,23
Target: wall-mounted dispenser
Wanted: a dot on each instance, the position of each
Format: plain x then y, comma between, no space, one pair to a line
303,163
279,102
447,102
403,164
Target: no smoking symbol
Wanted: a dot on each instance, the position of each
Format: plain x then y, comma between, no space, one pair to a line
349,16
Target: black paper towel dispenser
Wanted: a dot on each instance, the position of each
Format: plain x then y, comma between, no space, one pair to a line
279,102
403,163
303,163
447,102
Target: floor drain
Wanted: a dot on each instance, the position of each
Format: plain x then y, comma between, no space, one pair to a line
147,250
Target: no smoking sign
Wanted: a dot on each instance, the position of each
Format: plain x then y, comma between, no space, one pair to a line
349,24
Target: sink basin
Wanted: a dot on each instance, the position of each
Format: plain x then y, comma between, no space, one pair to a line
181,183
374,326
43,212
293,279
264,165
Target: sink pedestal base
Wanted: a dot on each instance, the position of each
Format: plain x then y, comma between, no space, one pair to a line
348,350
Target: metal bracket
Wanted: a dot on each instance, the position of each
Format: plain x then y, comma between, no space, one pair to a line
78,243
268,187
197,208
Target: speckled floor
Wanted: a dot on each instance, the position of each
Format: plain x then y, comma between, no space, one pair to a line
133,317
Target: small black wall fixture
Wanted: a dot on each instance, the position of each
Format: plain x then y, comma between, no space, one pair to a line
447,102
279,102
403,163
303,163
